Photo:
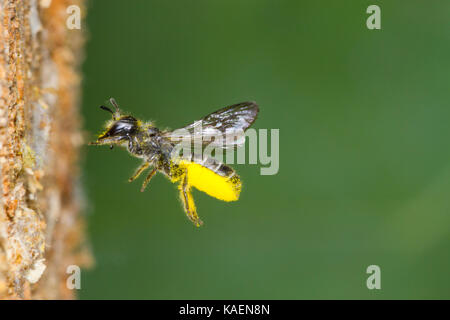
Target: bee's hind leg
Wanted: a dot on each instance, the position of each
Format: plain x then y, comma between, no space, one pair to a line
138,172
188,202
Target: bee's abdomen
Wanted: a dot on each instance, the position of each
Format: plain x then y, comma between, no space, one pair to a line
218,167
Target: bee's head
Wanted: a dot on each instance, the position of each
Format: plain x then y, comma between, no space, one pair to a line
120,128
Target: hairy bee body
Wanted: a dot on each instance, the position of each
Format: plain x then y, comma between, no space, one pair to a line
155,148
148,144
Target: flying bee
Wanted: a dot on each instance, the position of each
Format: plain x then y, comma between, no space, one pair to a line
156,147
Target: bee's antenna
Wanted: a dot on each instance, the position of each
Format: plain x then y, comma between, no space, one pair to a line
106,109
114,103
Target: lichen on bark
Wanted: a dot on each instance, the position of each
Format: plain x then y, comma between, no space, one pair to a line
41,229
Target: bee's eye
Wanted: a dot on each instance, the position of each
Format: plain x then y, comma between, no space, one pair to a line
122,127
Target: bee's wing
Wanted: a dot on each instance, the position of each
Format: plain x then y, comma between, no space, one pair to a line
223,128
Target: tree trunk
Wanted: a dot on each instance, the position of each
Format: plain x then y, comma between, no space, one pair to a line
41,230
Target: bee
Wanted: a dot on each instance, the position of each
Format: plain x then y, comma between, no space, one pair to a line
156,148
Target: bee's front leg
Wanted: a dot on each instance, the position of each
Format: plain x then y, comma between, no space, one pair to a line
188,201
147,179
139,171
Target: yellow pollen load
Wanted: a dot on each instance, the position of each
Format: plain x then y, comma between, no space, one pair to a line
213,184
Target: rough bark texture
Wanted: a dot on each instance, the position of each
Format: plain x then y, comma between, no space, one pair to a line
41,231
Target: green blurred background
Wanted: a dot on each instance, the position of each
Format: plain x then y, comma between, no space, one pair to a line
364,154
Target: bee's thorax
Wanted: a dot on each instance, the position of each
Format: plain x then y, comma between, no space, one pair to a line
147,144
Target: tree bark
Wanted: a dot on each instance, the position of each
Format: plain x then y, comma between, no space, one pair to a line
41,229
